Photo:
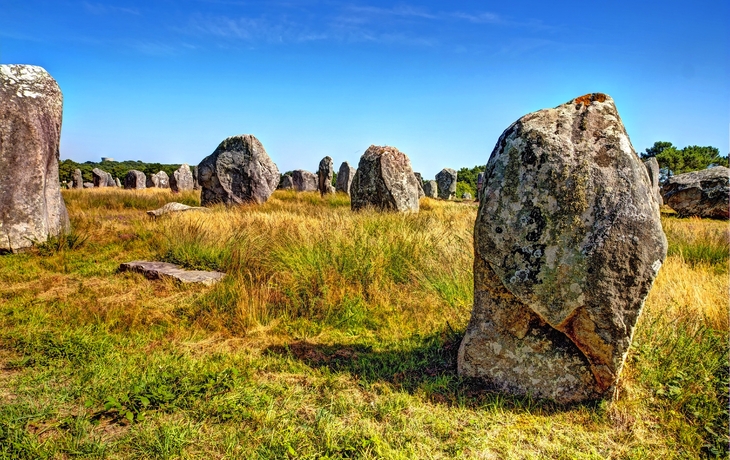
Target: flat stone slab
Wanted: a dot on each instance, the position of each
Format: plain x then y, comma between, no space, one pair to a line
160,270
175,207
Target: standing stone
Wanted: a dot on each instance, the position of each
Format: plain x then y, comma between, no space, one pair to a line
304,181
419,180
344,177
446,180
196,184
135,180
100,177
325,174
431,189
566,249
182,179
652,167
163,180
385,181
78,180
153,181
31,109
117,183
238,171
700,193
286,182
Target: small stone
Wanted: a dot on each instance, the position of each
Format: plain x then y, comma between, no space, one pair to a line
344,177
446,180
160,270
88,185
700,193
78,180
466,196
174,207
135,180
304,181
286,182
430,189
385,181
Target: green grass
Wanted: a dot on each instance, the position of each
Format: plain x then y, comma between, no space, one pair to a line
334,336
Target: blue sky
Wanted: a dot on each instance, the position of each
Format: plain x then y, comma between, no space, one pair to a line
166,81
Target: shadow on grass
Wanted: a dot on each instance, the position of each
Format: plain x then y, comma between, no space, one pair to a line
428,368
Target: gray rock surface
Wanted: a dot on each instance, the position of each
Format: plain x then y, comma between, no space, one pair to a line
325,174
652,167
182,179
385,181
567,247
304,181
173,207
117,183
431,189
161,270
153,181
238,171
78,180
286,182
135,180
163,180
344,177
419,180
480,185
88,185
101,178
466,196
31,109
699,193
446,179
196,184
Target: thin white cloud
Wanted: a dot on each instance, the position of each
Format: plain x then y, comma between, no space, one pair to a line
100,8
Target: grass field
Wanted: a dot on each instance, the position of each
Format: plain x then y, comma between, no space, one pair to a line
334,336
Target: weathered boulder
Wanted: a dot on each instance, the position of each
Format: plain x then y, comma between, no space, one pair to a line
325,174
566,249
182,179
446,179
304,181
153,181
238,171
700,193
652,167
466,196
135,180
164,270
88,185
101,178
286,182
419,180
431,189
78,180
173,207
31,109
385,181
344,177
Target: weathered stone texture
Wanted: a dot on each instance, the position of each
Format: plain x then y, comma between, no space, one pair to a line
431,189
117,183
31,109
325,174
196,184
286,182
182,179
238,171
700,193
567,247
101,178
78,180
385,181
344,177
466,196
135,180
446,179
419,180
304,181
652,167
173,207
161,270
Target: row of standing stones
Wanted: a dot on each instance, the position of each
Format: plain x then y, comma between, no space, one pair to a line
567,238
182,179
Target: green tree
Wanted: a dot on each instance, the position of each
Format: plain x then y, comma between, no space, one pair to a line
656,149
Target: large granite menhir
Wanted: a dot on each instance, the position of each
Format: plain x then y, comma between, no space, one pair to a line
182,179
385,181
239,171
31,109
446,179
700,193
567,247
344,177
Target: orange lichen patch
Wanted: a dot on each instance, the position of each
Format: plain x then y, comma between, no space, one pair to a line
581,329
589,98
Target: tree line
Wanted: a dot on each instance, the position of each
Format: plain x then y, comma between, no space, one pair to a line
118,169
